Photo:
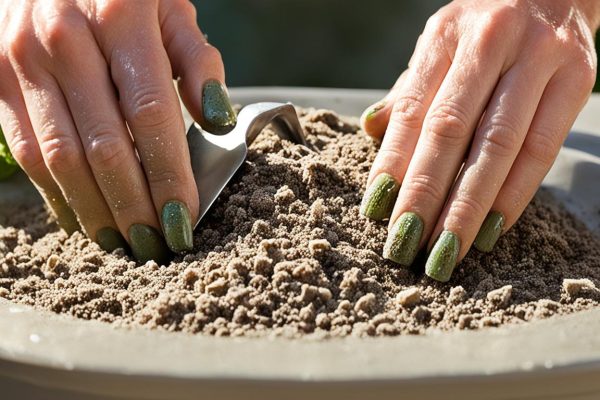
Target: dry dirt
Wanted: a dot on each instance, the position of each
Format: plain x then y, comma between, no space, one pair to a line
285,252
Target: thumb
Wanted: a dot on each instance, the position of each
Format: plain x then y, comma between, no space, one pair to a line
375,118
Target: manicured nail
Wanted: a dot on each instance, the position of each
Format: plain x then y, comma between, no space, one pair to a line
402,244
443,256
380,197
219,117
374,109
147,244
177,226
490,231
110,239
67,219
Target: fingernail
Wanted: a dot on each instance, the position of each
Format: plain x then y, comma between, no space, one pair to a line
110,239
177,226
402,244
67,219
374,109
489,232
147,244
378,201
443,256
219,116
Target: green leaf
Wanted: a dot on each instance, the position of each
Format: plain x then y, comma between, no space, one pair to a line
8,165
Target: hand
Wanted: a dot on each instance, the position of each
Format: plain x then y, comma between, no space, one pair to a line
474,124
90,112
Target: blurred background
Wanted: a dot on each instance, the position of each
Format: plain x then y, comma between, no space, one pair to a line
322,43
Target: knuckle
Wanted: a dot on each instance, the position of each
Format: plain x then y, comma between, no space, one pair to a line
493,28
56,30
393,155
516,197
425,188
126,205
499,18
409,111
59,29
506,15
545,37
109,10
62,154
149,109
27,153
18,47
448,124
500,138
163,178
438,23
106,151
467,209
577,86
541,147
203,55
211,53
186,7
586,74
489,31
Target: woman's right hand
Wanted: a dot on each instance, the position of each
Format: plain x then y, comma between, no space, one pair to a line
89,111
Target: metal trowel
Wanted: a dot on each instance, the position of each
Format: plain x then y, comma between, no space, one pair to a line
216,158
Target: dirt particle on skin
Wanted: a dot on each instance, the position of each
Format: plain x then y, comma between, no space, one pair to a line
285,251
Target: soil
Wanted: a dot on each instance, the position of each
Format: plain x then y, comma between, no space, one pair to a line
284,251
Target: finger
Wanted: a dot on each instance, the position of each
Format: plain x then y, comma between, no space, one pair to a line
24,148
493,151
106,141
63,155
410,106
439,154
142,73
562,101
198,65
374,120
376,117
